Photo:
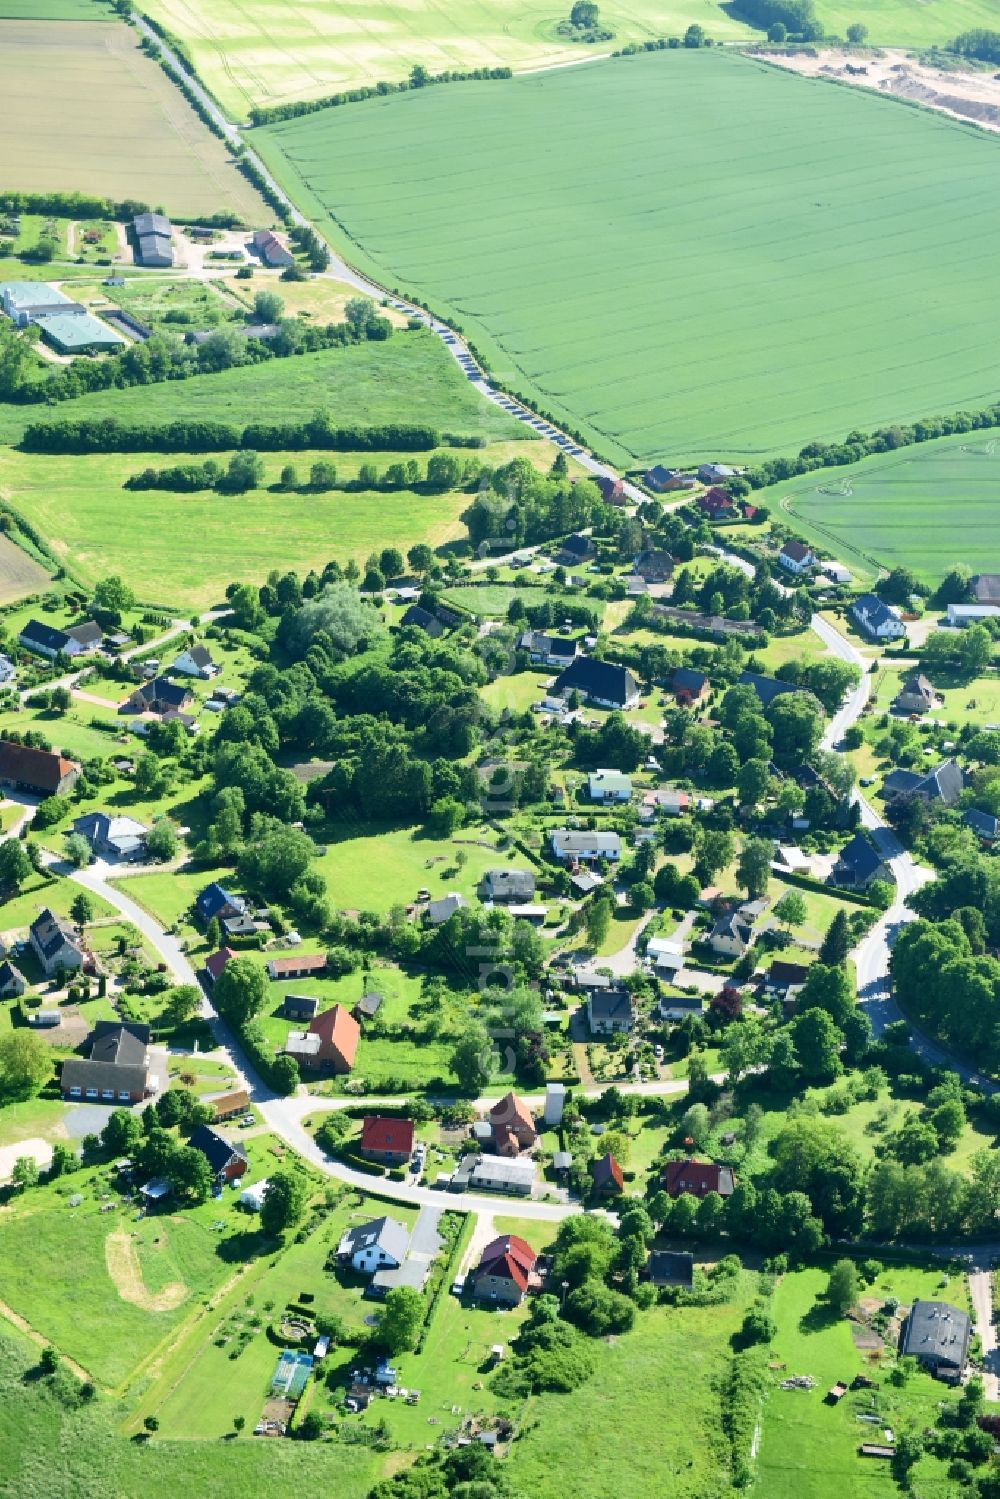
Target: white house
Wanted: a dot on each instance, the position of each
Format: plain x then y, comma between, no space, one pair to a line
585,846
196,662
379,1245
795,557
610,786
879,621
666,954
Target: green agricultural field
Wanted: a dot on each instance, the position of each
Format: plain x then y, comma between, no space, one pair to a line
923,507
676,273
267,52
910,23
51,10
142,139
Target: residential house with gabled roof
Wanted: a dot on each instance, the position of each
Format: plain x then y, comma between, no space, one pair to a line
36,770
859,864
300,1006
689,686
388,1141
698,1178
56,943
783,980
270,249
48,641
611,487
512,1125
504,1271
609,786
508,886
216,962
667,1267
609,1179
113,837
197,661
654,565
421,619
215,903
602,682
938,1335
716,504
575,549
439,911
330,1043
296,966
227,1158
715,473
766,688
158,695
876,619
917,695
943,785
985,826
12,981
549,650
796,558
116,1071
610,1011
585,846
381,1244
732,935
986,588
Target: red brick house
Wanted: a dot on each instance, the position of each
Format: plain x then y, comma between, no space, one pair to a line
330,1043
513,1126
716,504
389,1141
228,1159
609,1180
698,1178
504,1270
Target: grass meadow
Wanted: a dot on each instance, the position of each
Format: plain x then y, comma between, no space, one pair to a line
731,265
923,507
142,139
268,52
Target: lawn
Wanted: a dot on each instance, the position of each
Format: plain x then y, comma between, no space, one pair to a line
142,139
742,227
963,701
264,52
923,507
808,1449
169,897
647,1423
376,870
37,893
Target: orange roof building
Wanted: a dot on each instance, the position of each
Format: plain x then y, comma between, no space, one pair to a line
513,1126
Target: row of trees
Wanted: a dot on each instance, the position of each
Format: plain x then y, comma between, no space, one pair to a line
109,435
266,114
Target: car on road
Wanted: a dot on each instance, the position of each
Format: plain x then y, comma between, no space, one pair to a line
458,1285
867,781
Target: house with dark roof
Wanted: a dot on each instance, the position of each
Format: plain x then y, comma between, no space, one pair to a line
602,682
669,1268
654,565
937,1335
877,620
381,1244
112,837
12,981
504,1271
152,234
917,695
508,886
56,943
612,489
299,1006
661,480
609,1179
698,1178
716,504
782,979
549,650
943,785
766,688
45,640
116,1071
196,661
689,686
36,770
214,903
732,935
610,1011
575,549
985,826
227,1158
859,864
388,1141
330,1043
367,1006
421,619
715,473
796,558
158,695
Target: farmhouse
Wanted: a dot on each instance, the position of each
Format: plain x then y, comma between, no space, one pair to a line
944,785
228,1159
508,885
916,695
112,837
45,640
388,1141
859,864
796,558
610,1011
301,966
585,847
152,234
504,1270
56,944
698,1178
36,770
196,661
877,620
601,682
609,786
378,1245
548,650
512,1126
116,1070
938,1336
331,1042
662,480
270,249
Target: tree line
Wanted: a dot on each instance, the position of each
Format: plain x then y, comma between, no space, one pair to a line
108,435
984,45
269,114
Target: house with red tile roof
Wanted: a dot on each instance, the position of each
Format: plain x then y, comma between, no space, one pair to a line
330,1043
504,1271
388,1141
609,1180
699,1178
216,962
513,1126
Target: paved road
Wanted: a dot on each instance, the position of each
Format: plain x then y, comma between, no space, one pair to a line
981,1292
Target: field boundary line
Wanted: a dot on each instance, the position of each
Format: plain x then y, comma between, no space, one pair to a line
40,1341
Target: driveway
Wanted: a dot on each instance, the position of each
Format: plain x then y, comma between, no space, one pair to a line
981,1292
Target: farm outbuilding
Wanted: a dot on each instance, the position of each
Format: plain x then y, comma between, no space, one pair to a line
153,247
